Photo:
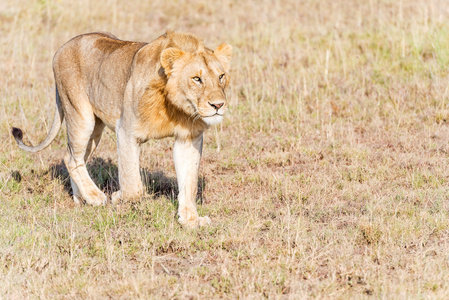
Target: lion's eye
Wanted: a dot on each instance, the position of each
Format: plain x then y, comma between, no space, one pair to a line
221,77
197,79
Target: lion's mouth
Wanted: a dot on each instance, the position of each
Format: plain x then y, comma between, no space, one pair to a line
213,119
215,114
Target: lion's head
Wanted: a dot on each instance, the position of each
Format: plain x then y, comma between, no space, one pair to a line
196,81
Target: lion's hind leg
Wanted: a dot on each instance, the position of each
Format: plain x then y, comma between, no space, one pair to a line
83,132
95,138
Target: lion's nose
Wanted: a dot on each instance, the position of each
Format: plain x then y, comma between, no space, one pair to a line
217,105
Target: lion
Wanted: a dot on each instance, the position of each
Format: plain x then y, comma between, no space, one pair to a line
171,87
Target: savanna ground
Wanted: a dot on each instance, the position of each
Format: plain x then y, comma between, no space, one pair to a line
329,177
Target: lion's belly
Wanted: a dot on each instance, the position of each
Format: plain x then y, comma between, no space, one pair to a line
106,103
109,119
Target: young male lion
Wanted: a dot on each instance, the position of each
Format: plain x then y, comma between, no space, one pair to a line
172,86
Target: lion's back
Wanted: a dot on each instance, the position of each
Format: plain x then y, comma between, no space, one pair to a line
98,65
86,53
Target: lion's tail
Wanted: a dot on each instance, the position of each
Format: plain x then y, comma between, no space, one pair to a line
57,121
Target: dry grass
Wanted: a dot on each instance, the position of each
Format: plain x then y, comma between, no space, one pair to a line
329,177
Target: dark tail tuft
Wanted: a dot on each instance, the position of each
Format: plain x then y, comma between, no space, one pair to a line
57,120
17,133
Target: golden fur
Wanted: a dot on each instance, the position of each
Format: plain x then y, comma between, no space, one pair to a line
172,86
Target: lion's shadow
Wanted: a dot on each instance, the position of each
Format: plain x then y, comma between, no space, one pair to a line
105,175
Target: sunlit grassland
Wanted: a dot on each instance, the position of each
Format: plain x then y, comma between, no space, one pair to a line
328,178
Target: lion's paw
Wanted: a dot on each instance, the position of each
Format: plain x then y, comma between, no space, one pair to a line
203,221
194,221
116,197
189,223
78,200
97,201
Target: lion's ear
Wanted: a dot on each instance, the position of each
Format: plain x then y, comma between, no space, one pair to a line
168,58
223,54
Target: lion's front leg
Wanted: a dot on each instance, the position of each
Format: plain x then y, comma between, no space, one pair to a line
187,156
128,150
